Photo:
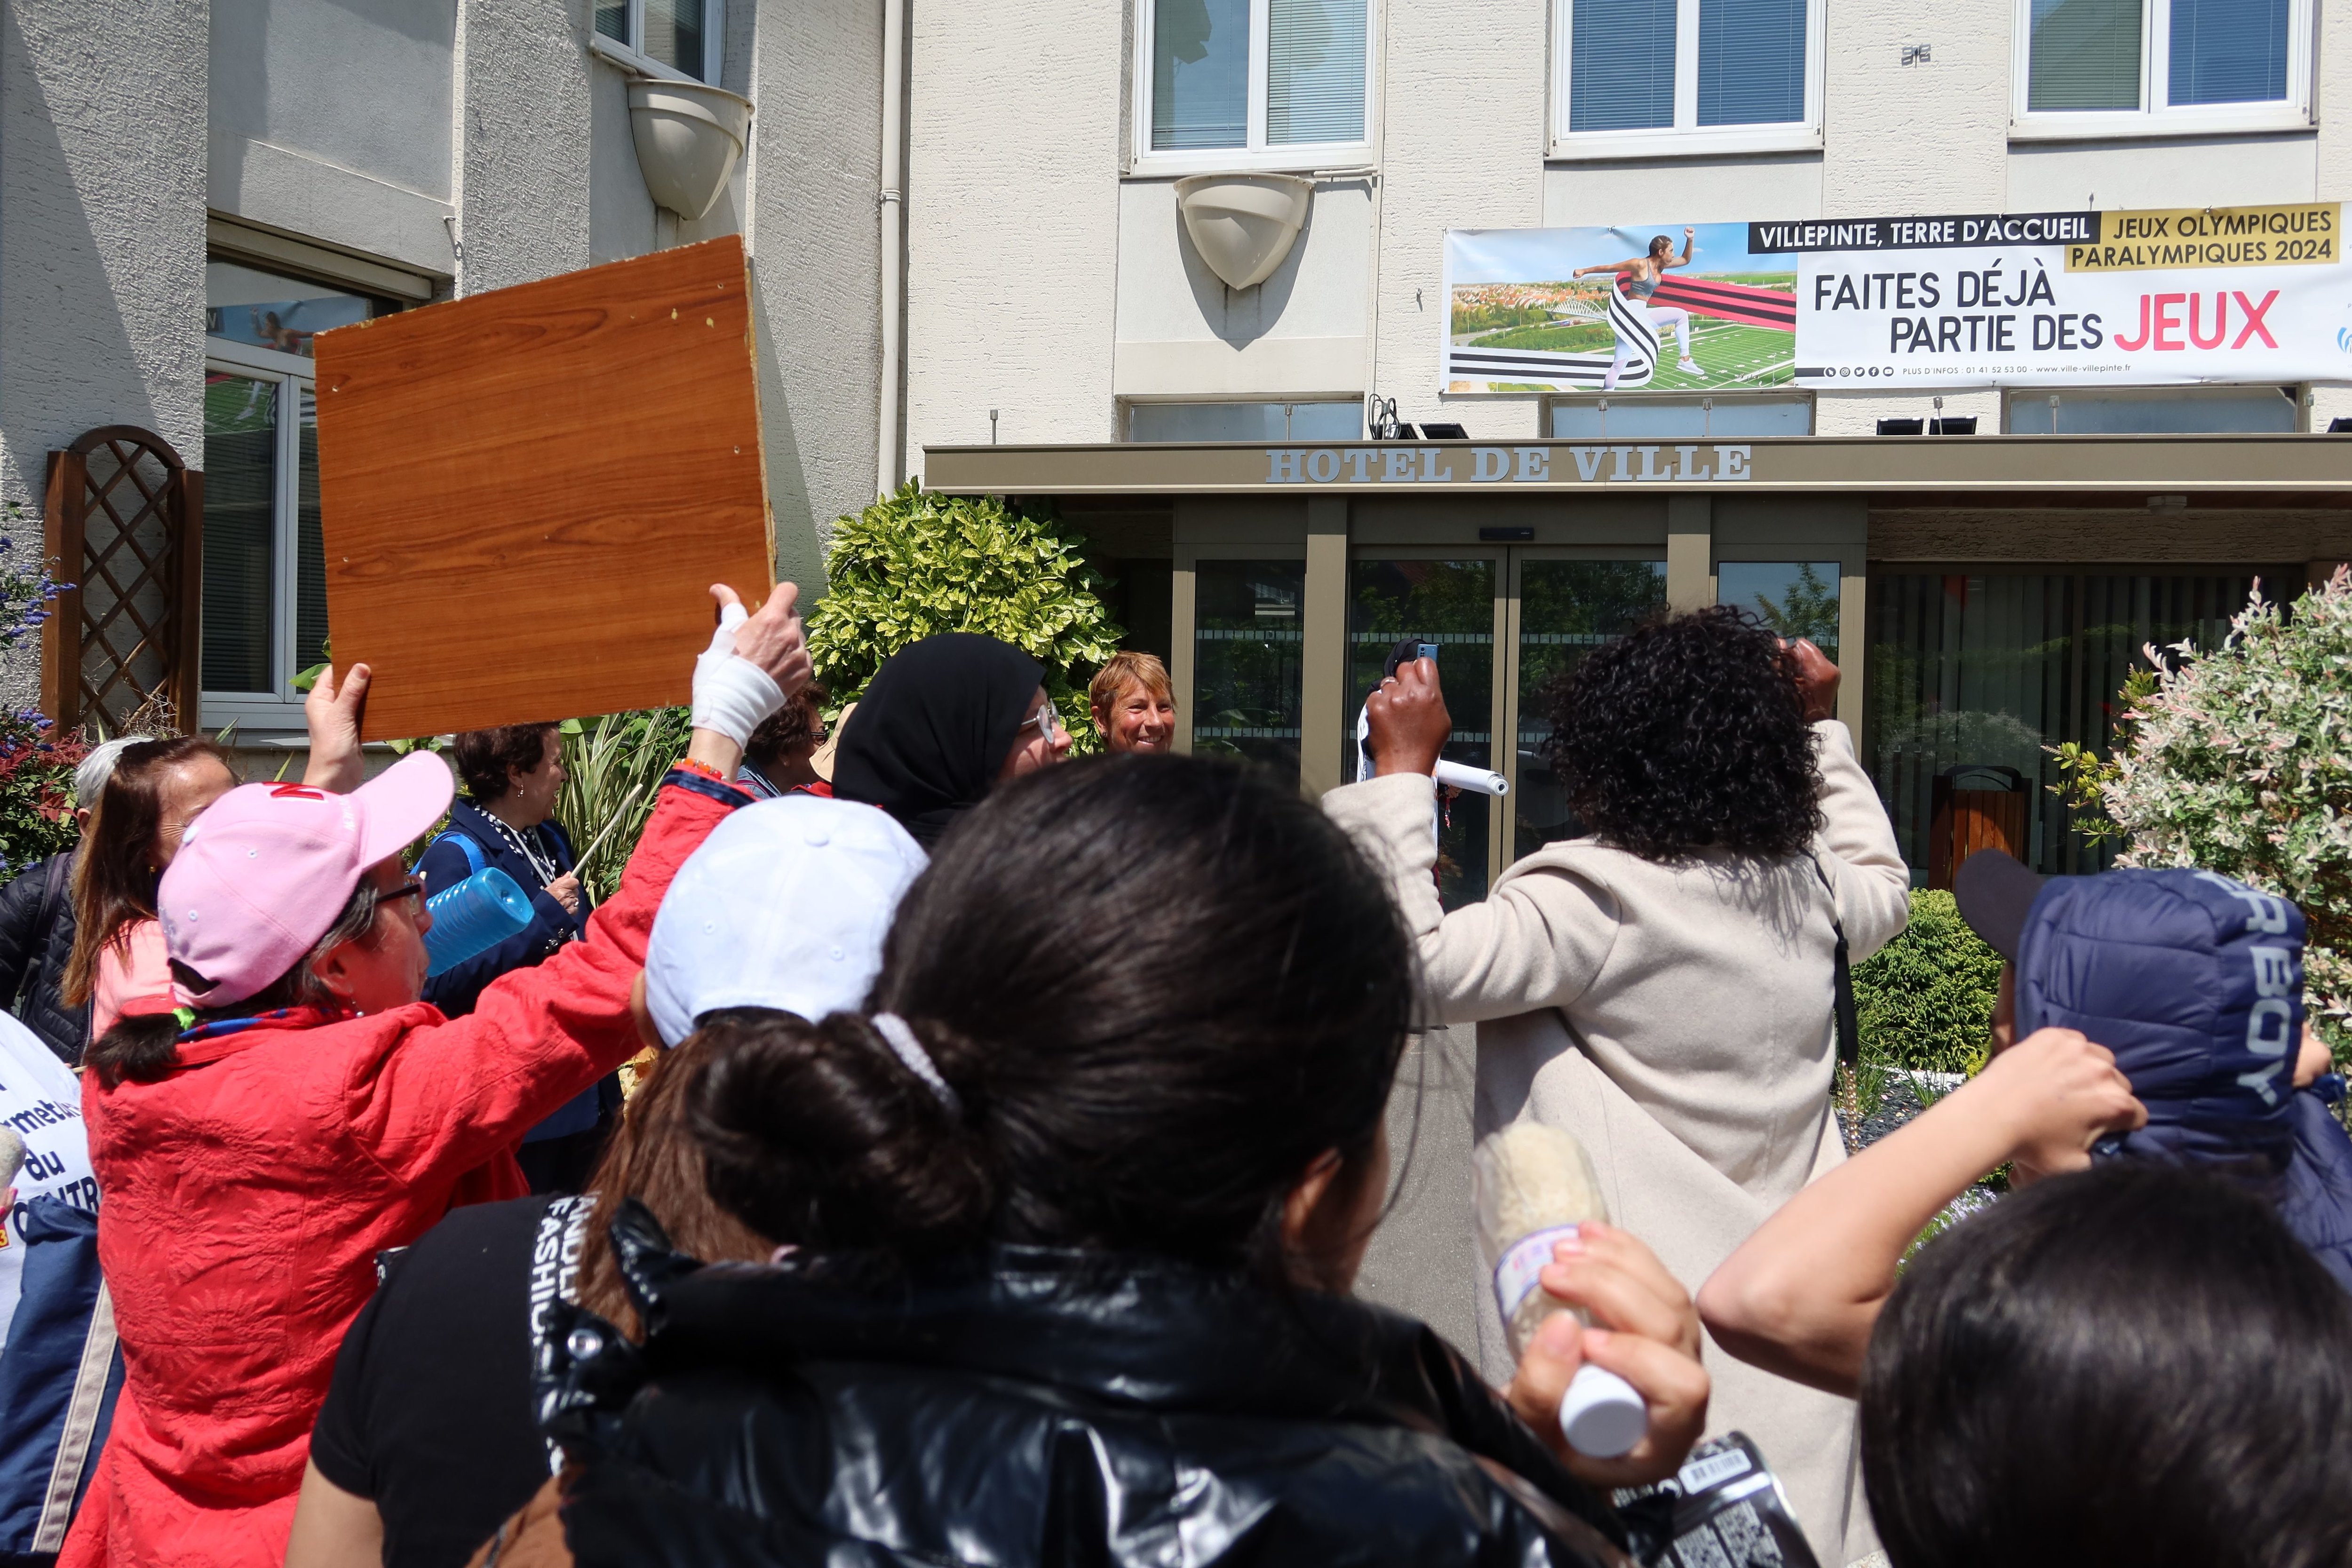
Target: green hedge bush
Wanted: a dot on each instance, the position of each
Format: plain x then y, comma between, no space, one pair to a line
917,564
1925,999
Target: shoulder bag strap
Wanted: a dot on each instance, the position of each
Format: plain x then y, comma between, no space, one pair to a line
1849,1028
465,842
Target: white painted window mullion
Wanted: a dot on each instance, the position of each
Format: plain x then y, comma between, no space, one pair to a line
285,534
1686,65
1261,27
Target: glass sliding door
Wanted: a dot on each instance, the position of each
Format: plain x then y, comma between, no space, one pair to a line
1245,662
1507,624
1565,609
1449,600
1795,598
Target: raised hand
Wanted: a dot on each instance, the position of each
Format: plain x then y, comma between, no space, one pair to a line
332,713
1408,724
2057,1094
773,639
1817,679
754,664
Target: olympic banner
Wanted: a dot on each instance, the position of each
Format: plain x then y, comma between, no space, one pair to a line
1676,307
2126,298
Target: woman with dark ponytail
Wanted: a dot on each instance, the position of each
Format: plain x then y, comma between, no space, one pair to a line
1071,1208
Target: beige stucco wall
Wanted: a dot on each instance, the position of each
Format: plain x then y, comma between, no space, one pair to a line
1012,204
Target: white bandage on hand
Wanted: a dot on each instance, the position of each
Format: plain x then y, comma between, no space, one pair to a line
732,694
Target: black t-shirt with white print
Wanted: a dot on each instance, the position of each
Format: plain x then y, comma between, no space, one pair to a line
430,1411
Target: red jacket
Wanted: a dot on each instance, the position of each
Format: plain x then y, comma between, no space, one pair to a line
244,1198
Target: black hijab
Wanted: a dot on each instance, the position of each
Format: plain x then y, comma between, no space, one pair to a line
932,729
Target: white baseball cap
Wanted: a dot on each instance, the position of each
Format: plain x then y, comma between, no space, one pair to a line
784,906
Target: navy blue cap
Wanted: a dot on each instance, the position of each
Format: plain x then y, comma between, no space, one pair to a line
2194,981
1995,892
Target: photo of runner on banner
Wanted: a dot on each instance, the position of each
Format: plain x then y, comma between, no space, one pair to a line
1669,308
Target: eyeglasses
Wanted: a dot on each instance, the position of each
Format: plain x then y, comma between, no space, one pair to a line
410,885
1047,722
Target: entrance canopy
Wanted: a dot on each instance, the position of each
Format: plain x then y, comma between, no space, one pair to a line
1910,466
1985,596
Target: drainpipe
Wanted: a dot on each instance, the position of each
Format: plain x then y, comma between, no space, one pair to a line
893,219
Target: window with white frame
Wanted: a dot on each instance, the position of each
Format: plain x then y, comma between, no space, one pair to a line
1252,83
264,572
681,38
1634,76
2102,68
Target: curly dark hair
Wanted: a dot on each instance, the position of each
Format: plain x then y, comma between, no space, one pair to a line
1688,734
483,756
794,727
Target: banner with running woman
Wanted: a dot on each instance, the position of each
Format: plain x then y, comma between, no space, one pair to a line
1676,308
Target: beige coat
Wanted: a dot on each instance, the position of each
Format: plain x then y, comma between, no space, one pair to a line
1678,1020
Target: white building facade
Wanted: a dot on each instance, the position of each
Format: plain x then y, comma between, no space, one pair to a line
189,191
1988,596
1047,280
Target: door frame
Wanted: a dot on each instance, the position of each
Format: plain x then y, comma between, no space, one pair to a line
1496,555
1509,560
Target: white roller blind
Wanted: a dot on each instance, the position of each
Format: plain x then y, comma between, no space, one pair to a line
1200,74
2228,51
1620,70
1314,71
2085,54
1751,61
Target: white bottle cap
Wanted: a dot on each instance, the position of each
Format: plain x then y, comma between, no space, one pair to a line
1603,1416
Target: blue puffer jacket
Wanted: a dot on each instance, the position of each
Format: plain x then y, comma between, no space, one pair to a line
2195,981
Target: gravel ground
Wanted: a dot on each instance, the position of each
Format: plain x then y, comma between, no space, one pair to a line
1898,1102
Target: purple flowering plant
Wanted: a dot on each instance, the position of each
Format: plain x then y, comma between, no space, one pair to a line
36,763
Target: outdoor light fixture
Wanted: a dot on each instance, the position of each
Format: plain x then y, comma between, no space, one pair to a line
689,138
1242,225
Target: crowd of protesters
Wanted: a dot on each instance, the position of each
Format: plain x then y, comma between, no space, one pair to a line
1014,1133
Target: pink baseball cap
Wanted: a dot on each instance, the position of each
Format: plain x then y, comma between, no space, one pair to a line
268,868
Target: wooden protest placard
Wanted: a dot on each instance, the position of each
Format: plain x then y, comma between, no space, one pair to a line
525,494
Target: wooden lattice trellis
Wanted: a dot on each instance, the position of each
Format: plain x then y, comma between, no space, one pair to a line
125,524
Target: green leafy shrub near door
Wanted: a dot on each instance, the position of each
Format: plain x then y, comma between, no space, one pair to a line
1924,1000
2239,759
915,564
